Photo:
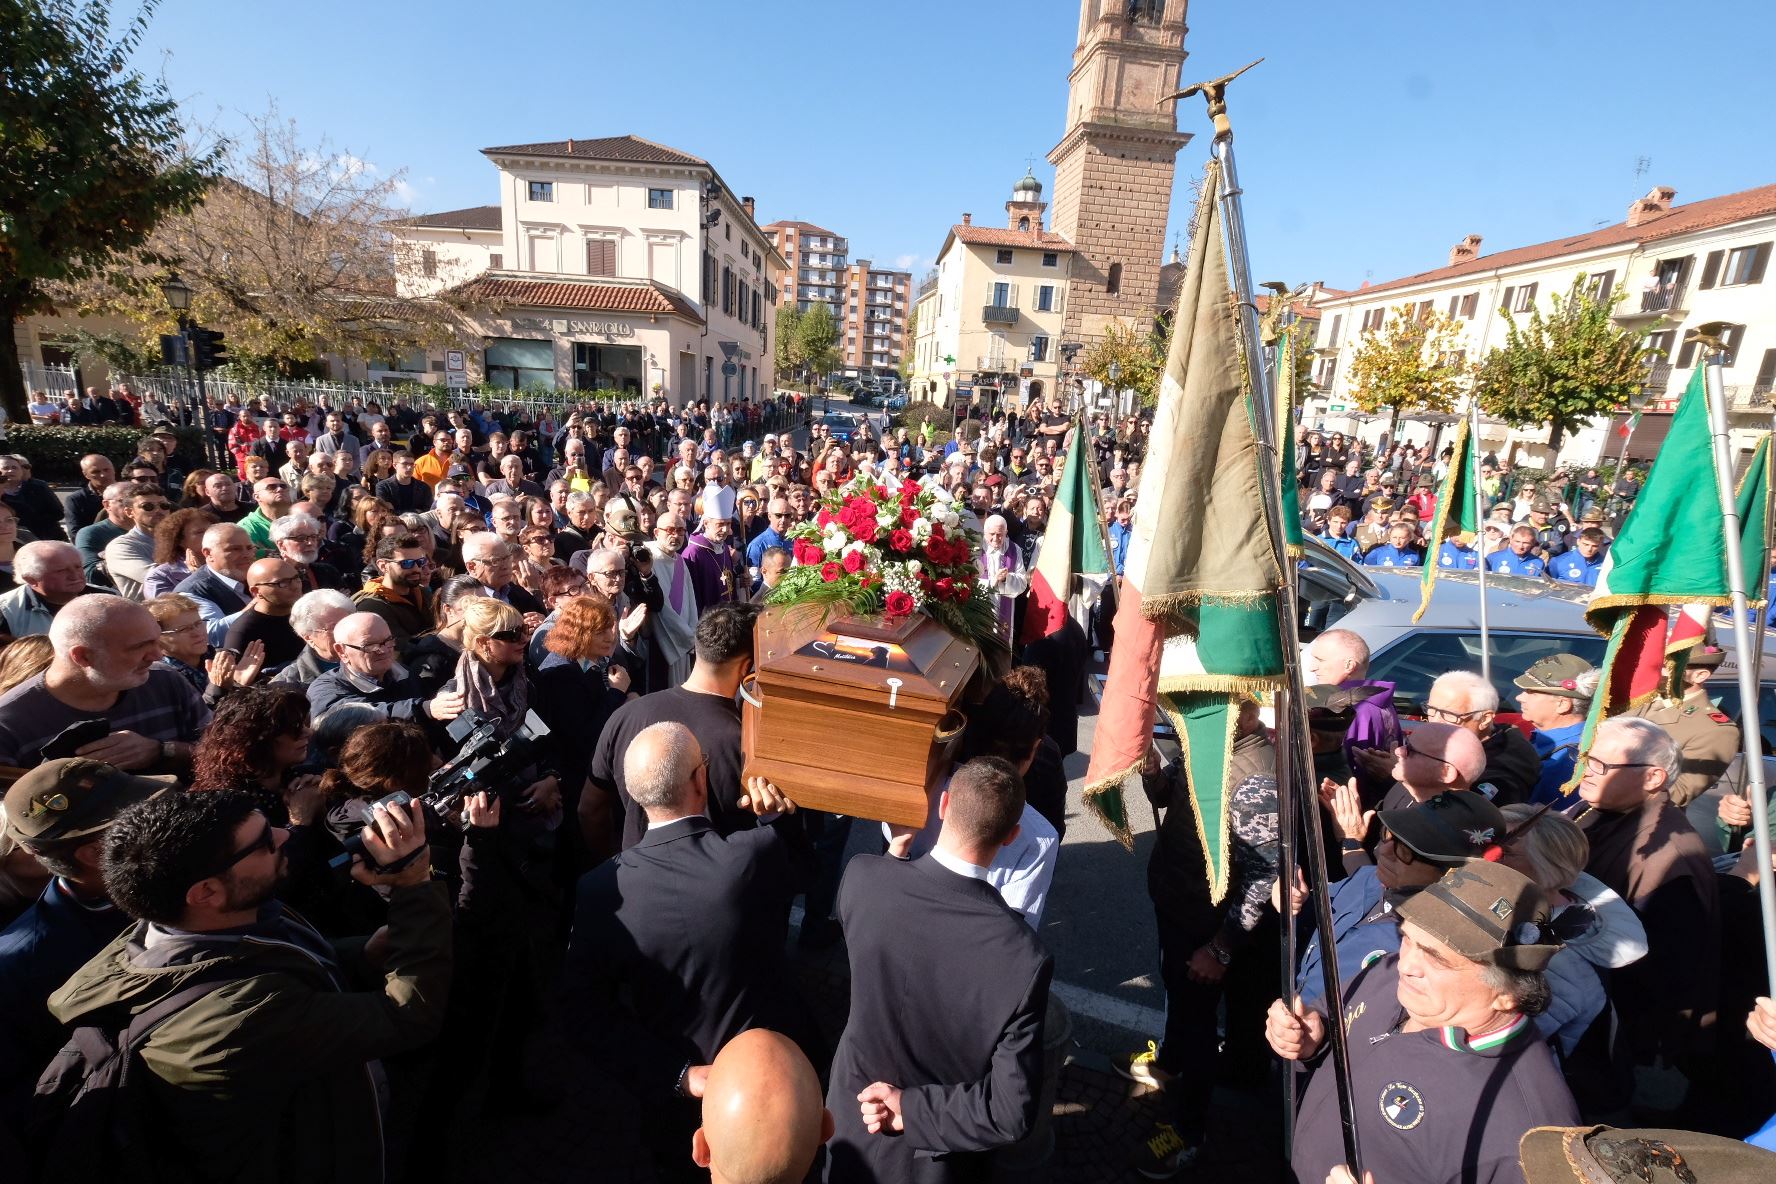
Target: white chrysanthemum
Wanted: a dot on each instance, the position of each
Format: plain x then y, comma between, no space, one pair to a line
921,529
913,566
835,542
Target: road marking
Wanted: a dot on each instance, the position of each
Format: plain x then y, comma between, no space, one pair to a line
1106,1009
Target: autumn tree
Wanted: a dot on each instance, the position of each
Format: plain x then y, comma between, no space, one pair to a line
1564,368
1140,355
291,255
93,154
817,336
1412,363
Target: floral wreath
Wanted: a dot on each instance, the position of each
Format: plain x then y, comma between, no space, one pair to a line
873,551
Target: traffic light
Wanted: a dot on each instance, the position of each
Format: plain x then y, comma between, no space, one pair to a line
207,349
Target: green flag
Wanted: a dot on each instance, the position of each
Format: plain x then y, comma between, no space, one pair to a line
1455,514
1285,442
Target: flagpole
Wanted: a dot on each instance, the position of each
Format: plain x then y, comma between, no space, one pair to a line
1479,538
1294,765
1709,338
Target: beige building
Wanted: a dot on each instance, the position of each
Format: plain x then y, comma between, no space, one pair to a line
1679,265
609,264
1114,165
815,260
990,320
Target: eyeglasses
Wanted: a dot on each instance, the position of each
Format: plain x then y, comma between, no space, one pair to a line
274,485
279,583
1444,715
1402,852
375,647
265,842
1598,768
1427,756
182,629
302,538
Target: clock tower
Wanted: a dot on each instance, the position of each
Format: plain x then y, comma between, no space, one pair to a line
1113,167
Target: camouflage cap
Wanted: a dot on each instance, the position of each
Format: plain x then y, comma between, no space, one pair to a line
1486,912
73,797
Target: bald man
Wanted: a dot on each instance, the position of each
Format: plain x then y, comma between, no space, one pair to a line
1434,759
763,1116
1340,658
275,585
678,941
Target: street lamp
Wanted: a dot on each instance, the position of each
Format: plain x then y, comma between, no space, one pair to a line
177,293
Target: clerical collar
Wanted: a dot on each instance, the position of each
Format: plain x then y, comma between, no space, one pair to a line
960,866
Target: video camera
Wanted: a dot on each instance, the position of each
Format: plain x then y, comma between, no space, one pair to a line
484,762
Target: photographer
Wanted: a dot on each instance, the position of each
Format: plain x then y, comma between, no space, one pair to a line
265,1076
493,684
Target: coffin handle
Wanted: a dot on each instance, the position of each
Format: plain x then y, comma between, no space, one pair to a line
748,686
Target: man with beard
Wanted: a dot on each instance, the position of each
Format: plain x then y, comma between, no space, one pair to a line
717,568
222,497
276,586
261,1074
106,667
297,538
398,594
675,625
273,501
129,556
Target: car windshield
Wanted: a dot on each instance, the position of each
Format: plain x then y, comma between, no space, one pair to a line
1414,662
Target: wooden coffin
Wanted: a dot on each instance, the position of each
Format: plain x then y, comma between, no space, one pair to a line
854,716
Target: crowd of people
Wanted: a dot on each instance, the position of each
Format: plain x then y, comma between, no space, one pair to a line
337,768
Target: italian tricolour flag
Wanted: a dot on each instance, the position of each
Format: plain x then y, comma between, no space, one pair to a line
1074,558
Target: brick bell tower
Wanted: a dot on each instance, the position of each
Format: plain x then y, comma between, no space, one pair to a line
1113,168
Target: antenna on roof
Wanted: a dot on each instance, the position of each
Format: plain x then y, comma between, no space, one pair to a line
1641,165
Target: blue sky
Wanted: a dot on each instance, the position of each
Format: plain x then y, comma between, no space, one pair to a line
1372,139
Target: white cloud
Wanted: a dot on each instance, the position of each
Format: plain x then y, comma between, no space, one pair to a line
906,262
350,166
405,191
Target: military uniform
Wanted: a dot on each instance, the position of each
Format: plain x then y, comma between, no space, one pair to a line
1709,738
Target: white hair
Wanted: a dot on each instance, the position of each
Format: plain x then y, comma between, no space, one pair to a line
1648,743
30,561
308,611
447,495
214,535
992,518
82,619
289,524
578,499
1351,645
118,489
1473,690
483,546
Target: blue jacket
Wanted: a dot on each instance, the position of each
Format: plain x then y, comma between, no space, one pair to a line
1570,567
1345,546
1559,750
1386,556
1453,555
768,537
1358,944
1119,545
1509,563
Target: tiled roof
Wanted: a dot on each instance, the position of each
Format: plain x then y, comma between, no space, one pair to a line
1685,219
801,228
628,148
992,236
473,218
579,296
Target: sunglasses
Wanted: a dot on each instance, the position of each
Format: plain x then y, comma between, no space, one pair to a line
514,636
265,842
278,583
410,564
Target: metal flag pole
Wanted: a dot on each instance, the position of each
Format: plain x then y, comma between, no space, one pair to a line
1480,538
1709,338
1294,763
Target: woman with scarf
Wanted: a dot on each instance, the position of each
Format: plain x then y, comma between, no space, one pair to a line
490,676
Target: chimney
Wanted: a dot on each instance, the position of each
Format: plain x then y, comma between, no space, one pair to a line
570,147
968,219
1467,249
1655,203
747,202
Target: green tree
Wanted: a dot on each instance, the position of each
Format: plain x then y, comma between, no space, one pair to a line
93,154
817,338
789,345
1411,363
906,346
1564,368
1139,354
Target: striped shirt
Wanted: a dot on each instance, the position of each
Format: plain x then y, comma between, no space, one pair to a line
163,708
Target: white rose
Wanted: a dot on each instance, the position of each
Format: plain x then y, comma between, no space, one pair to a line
951,519
921,529
833,543
912,566
888,519
858,545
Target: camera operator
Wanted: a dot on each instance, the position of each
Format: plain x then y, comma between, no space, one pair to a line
264,1076
493,684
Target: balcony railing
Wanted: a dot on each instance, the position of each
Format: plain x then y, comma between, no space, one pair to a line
999,314
1663,297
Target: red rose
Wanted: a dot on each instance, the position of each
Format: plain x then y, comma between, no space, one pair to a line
899,604
937,532
909,514
852,562
807,553
829,571
964,590
822,518
901,540
881,491
944,587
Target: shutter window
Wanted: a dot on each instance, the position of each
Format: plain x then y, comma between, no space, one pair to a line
1759,262
1527,297
1711,269
1766,375
1505,303
601,257
1605,285
1454,303
1735,336
1687,355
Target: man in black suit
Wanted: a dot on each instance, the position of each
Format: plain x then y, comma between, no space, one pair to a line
940,1060
677,942
220,585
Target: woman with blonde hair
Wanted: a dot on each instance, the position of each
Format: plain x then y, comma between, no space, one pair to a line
1599,929
490,676
24,657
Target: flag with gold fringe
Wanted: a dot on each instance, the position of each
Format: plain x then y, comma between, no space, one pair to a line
1690,624
1196,621
1671,552
1285,421
1455,516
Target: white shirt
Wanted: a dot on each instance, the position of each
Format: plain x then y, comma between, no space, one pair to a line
1021,872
